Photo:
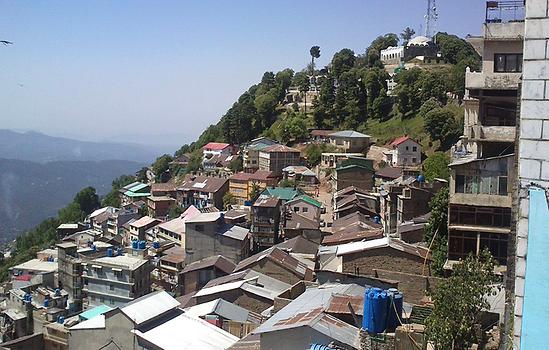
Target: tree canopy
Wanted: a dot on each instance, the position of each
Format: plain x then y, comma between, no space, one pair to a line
458,301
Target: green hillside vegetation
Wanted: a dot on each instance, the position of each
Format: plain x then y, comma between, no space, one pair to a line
353,95
45,234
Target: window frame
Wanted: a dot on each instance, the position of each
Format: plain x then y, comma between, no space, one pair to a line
505,56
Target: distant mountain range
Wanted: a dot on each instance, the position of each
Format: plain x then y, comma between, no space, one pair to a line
42,148
31,192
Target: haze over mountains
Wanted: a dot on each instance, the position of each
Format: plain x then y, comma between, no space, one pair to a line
38,147
40,174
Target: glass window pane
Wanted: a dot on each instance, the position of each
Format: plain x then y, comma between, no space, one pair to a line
511,63
485,184
460,184
503,186
499,63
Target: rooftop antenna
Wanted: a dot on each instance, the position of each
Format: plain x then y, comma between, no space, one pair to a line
431,17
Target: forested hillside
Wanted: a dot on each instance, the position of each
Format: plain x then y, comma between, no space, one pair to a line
353,95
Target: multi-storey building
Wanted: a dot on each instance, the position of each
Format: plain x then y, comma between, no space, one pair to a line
242,185
116,280
70,273
265,221
250,157
276,157
480,189
202,191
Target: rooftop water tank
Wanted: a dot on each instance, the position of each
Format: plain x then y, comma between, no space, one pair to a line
142,244
94,247
394,312
46,302
156,245
57,292
134,244
110,252
420,178
61,319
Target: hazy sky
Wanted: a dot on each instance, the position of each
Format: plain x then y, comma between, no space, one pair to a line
161,71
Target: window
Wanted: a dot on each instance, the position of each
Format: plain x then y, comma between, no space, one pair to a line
507,63
111,286
414,160
414,148
407,148
502,185
305,210
296,209
111,301
199,228
405,160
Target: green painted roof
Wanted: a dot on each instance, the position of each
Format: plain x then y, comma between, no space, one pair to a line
284,193
136,194
96,311
310,200
139,187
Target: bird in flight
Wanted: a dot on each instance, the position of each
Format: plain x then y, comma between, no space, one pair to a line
5,42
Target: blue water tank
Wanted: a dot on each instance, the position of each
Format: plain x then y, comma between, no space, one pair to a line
142,244
27,297
46,302
94,247
134,244
61,319
394,311
377,219
367,309
57,292
420,178
109,252
156,245
378,316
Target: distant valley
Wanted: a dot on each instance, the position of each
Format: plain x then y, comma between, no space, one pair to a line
38,147
40,174
31,192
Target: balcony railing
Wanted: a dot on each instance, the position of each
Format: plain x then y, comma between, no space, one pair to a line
504,11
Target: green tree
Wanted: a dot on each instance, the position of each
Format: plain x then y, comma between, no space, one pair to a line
112,198
236,165
382,106
87,200
444,125
436,166
454,49
342,62
161,168
315,53
301,80
407,34
313,152
436,230
228,200
175,211
380,43
255,191
458,302
141,175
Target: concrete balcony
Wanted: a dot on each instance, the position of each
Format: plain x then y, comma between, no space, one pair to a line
481,200
504,31
491,81
493,133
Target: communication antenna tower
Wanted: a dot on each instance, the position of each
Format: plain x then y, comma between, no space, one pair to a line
431,18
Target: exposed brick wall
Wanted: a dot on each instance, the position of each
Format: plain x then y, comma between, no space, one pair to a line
269,268
414,287
359,178
383,258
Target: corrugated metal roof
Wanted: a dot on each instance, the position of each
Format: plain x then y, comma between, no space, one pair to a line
311,303
348,133
186,332
221,308
149,306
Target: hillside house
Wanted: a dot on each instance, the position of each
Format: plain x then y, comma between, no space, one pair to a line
202,191
242,184
265,222
250,157
139,227
159,207
174,230
404,152
350,141
134,192
276,157
354,171
208,234
300,174
217,149
197,274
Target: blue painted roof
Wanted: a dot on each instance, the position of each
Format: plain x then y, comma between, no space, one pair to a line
96,311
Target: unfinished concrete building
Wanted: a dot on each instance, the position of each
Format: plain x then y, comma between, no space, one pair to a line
482,166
